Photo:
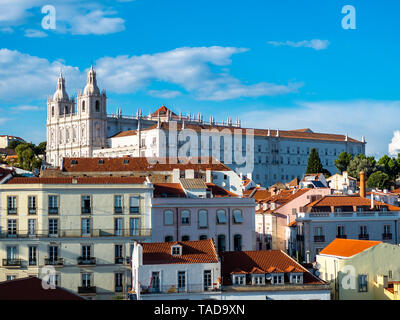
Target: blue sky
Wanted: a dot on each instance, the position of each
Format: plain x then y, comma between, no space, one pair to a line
275,64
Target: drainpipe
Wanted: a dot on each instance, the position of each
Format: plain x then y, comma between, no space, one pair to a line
229,229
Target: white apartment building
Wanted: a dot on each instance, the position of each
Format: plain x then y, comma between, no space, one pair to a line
5,140
176,270
348,217
79,229
84,129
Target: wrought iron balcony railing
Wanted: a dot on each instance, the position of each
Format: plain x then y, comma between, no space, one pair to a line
87,289
86,261
363,236
54,261
386,236
12,262
319,238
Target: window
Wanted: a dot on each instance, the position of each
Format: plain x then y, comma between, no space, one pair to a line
118,226
176,250
277,279
387,229
207,279
390,274
83,106
12,255
86,205
53,227
86,227
118,254
221,243
237,216
86,252
237,242
185,238
12,205
31,204
31,227
134,204
362,283
169,238
239,279
52,111
221,216
203,219
86,280
340,231
53,204
181,280
12,227
53,254
168,217
203,237
185,217
32,256
155,282
119,282
363,230
117,204
296,278
258,280
11,277
97,106
134,226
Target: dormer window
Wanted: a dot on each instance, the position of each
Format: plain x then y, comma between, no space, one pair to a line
176,250
101,161
239,279
296,278
277,278
258,279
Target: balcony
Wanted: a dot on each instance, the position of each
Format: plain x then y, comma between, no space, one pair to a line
363,236
119,288
16,263
54,262
117,210
53,210
86,261
12,210
76,233
32,262
341,236
87,290
188,288
386,236
86,210
319,238
119,260
32,210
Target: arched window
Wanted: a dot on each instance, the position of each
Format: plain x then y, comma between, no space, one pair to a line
66,110
185,217
185,238
168,239
221,216
97,106
237,216
52,111
203,219
83,106
168,217
221,243
237,242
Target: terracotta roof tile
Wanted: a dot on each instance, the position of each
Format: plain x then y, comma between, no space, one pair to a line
347,247
265,260
201,251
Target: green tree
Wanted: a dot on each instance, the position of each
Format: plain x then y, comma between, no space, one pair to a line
343,161
41,148
314,162
361,163
14,144
27,159
378,180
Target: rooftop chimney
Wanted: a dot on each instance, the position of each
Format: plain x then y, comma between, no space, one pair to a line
362,184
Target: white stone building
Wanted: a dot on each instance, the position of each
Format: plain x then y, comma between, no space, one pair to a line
84,129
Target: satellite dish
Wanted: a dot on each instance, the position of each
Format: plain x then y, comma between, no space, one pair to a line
268,276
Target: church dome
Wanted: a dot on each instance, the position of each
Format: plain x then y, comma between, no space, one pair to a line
61,93
91,85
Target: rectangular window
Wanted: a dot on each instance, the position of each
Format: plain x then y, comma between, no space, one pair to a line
134,204
168,217
118,226
118,254
118,204
155,281
12,205
387,229
53,204
86,227
207,279
86,204
31,227
32,256
181,280
362,283
221,217
86,280
86,252
134,226
203,219
53,227
12,227
53,254
118,282
31,204
237,216
185,217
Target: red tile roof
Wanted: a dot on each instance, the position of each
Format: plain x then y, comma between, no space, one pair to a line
201,251
268,261
176,190
162,111
80,180
125,134
348,247
139,164
30,288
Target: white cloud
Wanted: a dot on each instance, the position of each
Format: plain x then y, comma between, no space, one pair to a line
187,67
32,33
26,108
72,16
167,94
394,146
316,44
370,118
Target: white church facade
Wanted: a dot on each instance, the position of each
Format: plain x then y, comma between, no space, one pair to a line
84,129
